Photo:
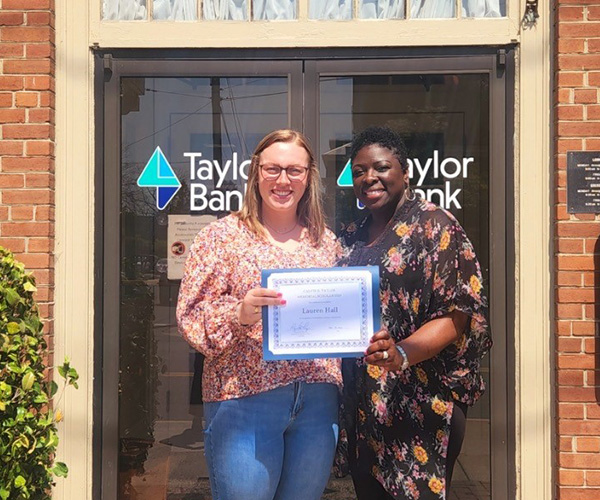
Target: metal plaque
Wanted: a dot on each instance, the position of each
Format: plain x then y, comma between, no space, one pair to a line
583,182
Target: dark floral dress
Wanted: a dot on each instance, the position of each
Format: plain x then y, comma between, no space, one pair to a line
401,420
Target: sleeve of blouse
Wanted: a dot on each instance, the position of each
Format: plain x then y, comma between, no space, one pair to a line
457,284
456,281
206,310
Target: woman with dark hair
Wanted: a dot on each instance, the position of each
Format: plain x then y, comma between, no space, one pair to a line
406,401
271,427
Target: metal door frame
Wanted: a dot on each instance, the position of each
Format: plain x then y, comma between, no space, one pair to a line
303,68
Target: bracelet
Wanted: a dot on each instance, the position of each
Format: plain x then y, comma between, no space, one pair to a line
405,362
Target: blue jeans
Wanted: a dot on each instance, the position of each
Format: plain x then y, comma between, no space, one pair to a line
277,445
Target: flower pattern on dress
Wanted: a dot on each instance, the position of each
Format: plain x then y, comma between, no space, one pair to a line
427,269
225,262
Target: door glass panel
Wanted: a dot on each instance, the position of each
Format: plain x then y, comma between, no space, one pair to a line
444,119
206,129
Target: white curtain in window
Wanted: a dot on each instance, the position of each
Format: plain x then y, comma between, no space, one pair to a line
174,10
124,10
219,10
381,9
421,9
481,8
330,9
272,10
129,10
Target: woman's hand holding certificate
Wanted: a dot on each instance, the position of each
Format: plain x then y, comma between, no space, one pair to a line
329,312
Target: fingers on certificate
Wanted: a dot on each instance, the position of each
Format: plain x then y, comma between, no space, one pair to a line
380,334
382,351
250,308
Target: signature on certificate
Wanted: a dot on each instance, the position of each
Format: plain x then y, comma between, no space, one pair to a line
300,327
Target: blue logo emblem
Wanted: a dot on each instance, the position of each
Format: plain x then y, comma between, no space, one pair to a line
159,174
345,180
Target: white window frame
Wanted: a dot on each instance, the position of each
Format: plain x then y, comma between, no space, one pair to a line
305,32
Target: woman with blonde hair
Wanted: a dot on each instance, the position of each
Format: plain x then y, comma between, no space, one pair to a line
271,426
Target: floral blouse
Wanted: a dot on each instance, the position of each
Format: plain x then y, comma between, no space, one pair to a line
401,420
225,262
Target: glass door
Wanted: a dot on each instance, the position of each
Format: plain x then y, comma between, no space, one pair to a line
181,147
178,138
451,114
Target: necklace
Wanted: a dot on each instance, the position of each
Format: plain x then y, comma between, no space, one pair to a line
279,231
390,223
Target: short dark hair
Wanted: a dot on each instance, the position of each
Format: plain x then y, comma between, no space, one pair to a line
383,136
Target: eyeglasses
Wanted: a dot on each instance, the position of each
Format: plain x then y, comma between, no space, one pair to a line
293,172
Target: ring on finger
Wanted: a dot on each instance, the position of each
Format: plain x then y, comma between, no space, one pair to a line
256,309
385,355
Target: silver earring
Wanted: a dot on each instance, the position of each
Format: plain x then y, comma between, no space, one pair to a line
409,191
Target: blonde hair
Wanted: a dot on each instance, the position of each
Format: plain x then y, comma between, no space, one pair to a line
310,209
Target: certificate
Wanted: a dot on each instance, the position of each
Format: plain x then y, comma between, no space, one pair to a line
328,313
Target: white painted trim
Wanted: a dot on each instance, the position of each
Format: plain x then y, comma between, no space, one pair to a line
304,32
534,348
309,33
74,310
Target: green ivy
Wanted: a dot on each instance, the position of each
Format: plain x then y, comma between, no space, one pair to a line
28,437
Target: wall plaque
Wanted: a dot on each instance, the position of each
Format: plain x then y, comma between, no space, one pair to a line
583,182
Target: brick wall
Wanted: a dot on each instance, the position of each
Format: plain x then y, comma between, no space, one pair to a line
27,139
577,250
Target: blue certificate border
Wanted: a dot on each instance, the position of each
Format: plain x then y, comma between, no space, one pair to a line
268,355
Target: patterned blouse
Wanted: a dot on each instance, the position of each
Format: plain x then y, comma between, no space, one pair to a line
225,262
401,420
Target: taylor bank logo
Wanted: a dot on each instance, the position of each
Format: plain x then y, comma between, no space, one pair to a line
159,174
220,185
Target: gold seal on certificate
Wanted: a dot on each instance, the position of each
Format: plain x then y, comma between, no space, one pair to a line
330,312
